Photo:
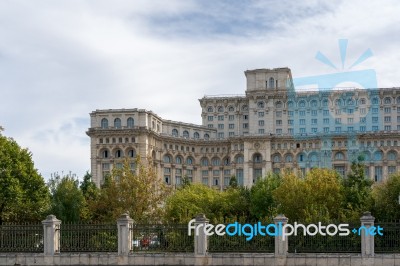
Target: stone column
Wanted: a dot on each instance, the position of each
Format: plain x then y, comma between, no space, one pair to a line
200,238
367,240
51,235
124,224
281,245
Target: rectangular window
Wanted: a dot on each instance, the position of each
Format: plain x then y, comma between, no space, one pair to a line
326,121
350,111
245,125
239,176
220,126
257,174
231,117
210,118
363,111
278,122
375,128
106,166
338,112
375,119
290,131
210,125
260,114
215,172
261,131
279,114
388,128
261,123
374,110
302,130
291,113
227,172
314,130
227,180
290,121
189,172
326,112
362,128
279,131
221,135
338,129
378,173
363,119
398,119
231,126
350,129
302,113
398,109
302,121
391,169
314,121
338,120
204,180
231,134
350,120
314,112
326,129
387,110
387,118
204,173
245,117
220,118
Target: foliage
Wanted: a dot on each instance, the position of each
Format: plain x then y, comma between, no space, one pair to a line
387,198
315,198
67,200
23,192
263,205
139,192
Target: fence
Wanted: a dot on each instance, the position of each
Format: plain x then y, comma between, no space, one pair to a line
126,237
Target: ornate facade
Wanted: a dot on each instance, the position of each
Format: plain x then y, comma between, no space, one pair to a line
269,128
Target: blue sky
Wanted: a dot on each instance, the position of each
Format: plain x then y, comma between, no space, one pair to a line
60,60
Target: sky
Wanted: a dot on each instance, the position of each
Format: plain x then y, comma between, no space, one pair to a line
61,60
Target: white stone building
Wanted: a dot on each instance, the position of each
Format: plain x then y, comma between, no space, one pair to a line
270,128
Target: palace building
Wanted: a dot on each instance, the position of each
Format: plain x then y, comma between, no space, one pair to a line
270,128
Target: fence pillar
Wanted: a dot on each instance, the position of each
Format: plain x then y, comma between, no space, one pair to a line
281,245
51,235
367,240
200,239
124,224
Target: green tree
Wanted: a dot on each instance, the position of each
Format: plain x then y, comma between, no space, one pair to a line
263,204
67,200
23,192
357,191
387,198
137,191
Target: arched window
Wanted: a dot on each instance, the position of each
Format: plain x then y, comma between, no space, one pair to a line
392,156
130,122
325,102
278,104
189,160
167,158
362,101
104,154
178,160
231,109
104,123
210,109
117,123
220,108
276,158
375,101
227,161
313,157
175,132
387,100
378,156
239,159
314,103
290,104
215,161
185,134
338,102
245,108
302,103
206,136
350,102
339,156
288,158
260,104
204,161
257,158
196,135
301,157
118,154
367,156
271,83
131,153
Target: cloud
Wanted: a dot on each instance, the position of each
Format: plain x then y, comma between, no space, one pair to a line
60,60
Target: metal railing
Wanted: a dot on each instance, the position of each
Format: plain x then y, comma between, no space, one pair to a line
21,238
225,243
325,244
161,238
390,241
88,237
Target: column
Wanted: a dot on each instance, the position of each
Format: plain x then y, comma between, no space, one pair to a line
281,245
51,235
200,238
367,240
124,224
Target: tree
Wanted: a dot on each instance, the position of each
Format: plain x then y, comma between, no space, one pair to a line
67,200
23,192
137,191
263,204
357,191
387,198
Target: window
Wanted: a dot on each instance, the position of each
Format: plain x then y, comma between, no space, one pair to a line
215,172
189,161
362,101
387,118
231,117
338,120
220,118
350,102
210,118
302,130
278,113
204,180
106,166
314,112
339,156
350,129
378,156
167,158
271,83
391,169
220,126
220,109
375,119
260,104
231,109
302,113
278,122
278,104
350,111
204,173
314,130
186,134
363,119
350,120
245,108
338,129
363,111
290,113
220,135
375,101
105,154
388,128
257,158
338,102
204,162
209,109
117,123
245,117
245,125
288,158
196,135
239,159
206,136
313,121
338,111
178,160
290,104
290,122
216,161
175,132
325,112
301,157
118,154
326,121
260,114
392,156
387,110
104,123
231,126
326,129
302,104
276,158
375,128
387,100
130,122
378,173
314,103
325,102
231,134
302,121
131,153
261,131
279,131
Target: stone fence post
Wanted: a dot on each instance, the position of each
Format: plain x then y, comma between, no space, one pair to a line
281,245
124,224
200,239
51,235
367,240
